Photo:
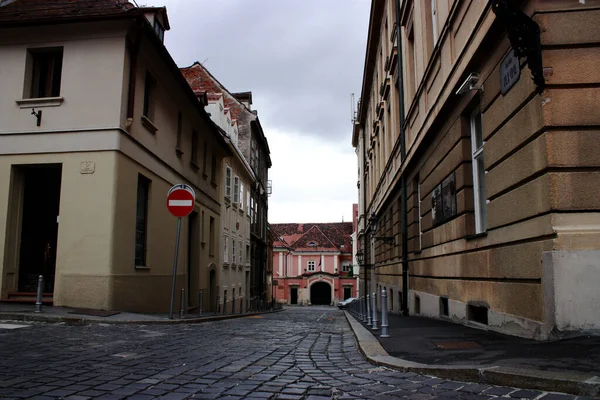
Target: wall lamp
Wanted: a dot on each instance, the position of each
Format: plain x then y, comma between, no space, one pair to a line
391,240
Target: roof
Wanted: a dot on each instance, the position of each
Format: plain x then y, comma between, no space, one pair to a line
201,80
41,11
326,236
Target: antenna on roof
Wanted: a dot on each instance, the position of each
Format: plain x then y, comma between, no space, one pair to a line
206,59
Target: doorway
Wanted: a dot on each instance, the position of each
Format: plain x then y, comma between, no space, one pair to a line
193,273
294,295
320,293
212,288
347,292
39,227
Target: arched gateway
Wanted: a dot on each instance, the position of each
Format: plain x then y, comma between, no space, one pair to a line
320,293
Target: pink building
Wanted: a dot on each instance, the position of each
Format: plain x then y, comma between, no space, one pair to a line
312,263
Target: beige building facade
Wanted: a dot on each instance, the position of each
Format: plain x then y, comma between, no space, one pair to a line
97,124
485,170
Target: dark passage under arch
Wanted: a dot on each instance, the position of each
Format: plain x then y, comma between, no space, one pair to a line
320,293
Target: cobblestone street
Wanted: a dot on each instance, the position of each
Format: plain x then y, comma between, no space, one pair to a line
301,353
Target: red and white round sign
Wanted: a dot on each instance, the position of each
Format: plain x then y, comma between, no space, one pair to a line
181,200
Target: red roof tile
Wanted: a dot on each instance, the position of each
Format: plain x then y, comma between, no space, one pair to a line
201,80
326,235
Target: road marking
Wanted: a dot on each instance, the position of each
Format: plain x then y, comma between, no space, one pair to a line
318,319
12,326
180,203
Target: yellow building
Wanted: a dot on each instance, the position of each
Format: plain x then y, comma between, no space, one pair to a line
483,175
96,124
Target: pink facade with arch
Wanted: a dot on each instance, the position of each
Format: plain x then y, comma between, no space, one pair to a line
312,263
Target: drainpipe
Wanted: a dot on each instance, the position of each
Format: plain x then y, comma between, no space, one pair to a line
364,206
403,195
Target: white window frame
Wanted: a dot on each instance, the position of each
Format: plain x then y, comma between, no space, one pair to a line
236,189
311,266
225,249
248,209
228,182
478,173
233,255
434,28
241,195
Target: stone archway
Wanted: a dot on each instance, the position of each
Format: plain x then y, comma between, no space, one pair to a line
320,293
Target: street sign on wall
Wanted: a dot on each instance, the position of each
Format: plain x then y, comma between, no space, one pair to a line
181,200
510,72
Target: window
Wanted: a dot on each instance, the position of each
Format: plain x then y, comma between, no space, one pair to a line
478,171
236,189
233,253
412,63
141,220
194,156
211,237
225,249
160,31
149,94
311,266
202,229
179,129
46,71
241,196
419,212
248,254
213,168
204,155
228,182
249,209
241,260
434,29
346,268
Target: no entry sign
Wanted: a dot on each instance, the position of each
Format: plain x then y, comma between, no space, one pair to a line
181,200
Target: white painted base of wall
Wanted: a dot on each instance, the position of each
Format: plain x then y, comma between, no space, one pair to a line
457,313
572,291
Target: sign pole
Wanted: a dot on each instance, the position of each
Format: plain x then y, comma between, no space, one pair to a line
175,268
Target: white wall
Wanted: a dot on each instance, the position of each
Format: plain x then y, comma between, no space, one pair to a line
572,289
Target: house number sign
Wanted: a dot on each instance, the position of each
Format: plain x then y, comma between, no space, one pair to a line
510,72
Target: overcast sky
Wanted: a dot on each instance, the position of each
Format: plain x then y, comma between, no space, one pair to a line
301,59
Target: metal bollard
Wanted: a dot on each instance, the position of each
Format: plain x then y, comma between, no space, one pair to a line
374,307
38,299
369,310
384,314
200,300
181,308
360,308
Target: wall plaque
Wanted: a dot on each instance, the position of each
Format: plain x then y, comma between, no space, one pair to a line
510,72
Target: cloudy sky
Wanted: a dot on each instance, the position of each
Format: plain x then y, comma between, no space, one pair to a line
301,59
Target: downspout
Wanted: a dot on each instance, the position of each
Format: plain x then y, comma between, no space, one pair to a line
364,213
403,195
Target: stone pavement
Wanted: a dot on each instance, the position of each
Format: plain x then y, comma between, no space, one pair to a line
451,350
300,353
26,312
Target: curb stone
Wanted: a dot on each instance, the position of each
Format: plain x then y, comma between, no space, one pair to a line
86,321
567,382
